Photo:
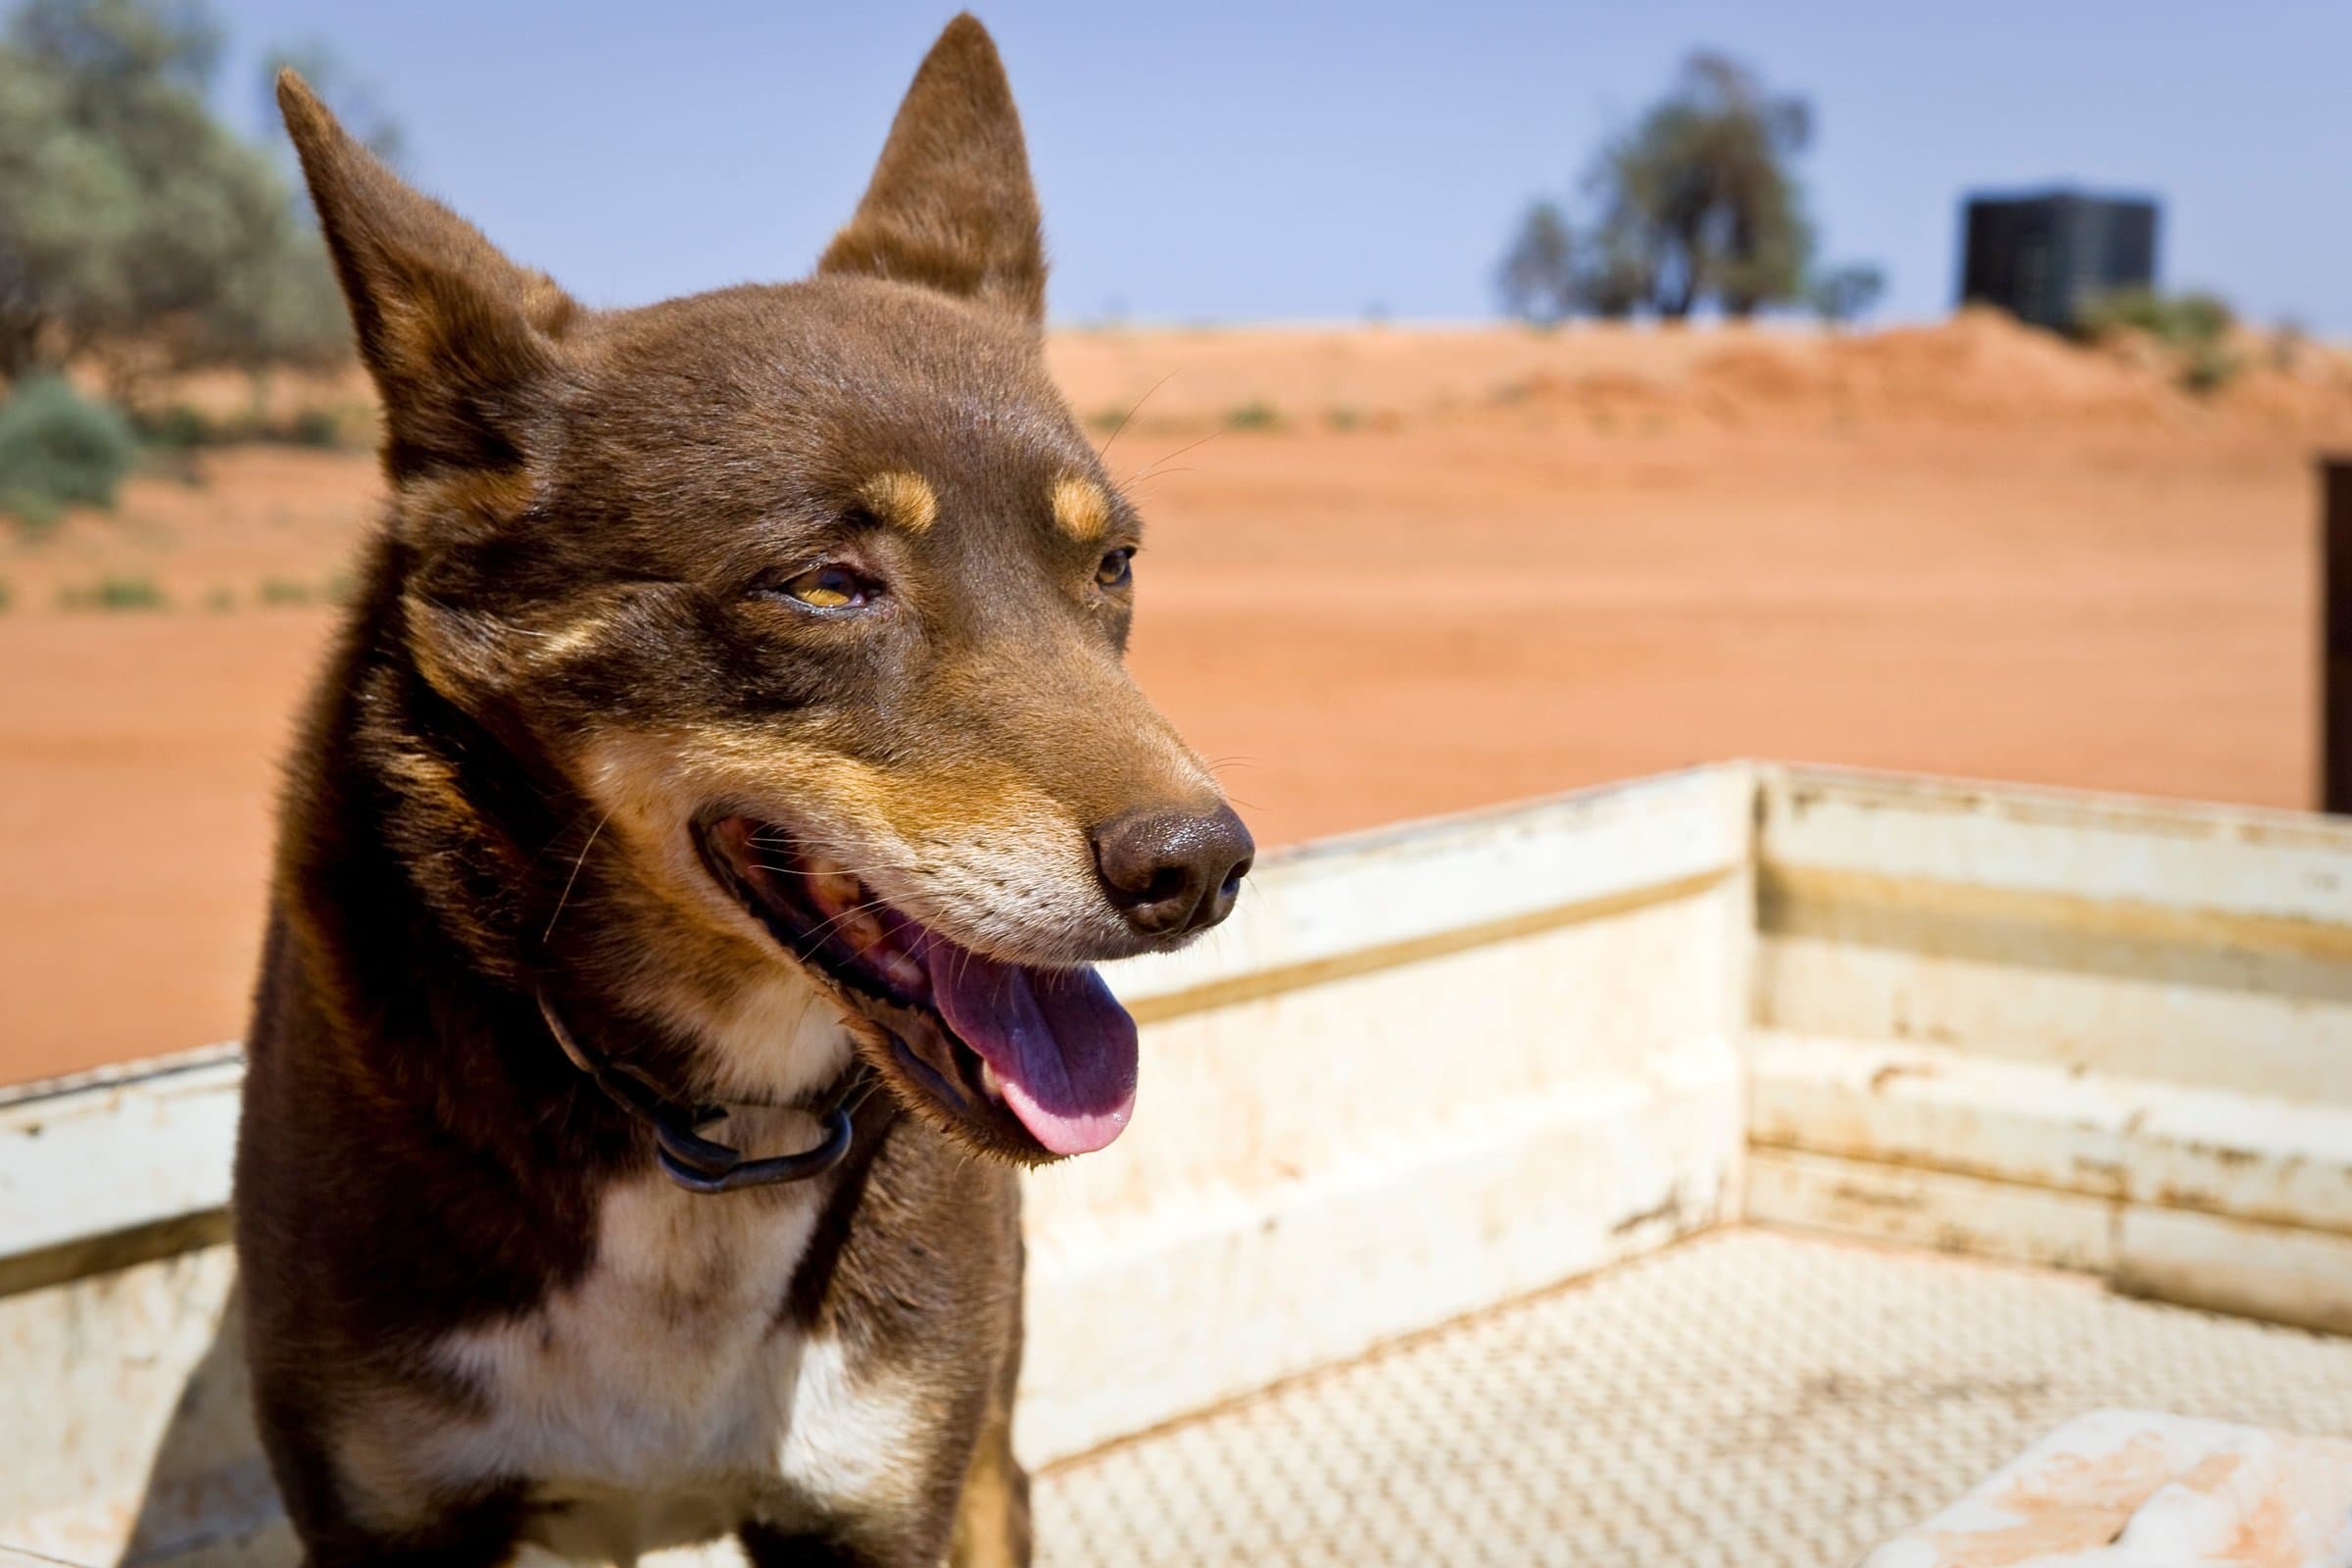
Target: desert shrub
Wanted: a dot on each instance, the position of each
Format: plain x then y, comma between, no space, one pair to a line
1345,418
1256,415
314,427
59,448
177,428
285,591
116,591
180,428
2193,328
2177,320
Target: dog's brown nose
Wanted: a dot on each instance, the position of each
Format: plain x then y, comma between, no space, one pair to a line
1171,872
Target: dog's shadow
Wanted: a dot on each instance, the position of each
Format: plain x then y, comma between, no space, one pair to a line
208,1501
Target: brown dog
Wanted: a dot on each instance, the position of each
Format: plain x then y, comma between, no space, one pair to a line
690,861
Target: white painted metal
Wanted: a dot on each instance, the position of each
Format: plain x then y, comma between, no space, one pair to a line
123,1432
1917,1207
2122,853
2132,1140
112,1151
2191,945
2106,1034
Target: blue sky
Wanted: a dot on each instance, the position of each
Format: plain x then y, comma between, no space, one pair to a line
1276,161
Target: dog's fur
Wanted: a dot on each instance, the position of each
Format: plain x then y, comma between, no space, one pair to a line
480,1322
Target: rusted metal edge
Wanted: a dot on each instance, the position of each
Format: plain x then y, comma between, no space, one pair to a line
116,1075
85,1256
1782,889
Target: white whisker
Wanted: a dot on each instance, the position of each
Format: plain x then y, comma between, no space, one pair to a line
570,881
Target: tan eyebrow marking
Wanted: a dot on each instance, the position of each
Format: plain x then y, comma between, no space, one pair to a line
1081,508
901,499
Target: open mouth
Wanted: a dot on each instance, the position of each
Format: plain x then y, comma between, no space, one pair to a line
1034,1061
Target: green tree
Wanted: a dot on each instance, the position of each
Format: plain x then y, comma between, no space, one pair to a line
1537,280
2194,330
1696,201
1614,276
136,231
1700,196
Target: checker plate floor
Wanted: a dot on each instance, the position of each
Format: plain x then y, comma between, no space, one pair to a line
1749,1397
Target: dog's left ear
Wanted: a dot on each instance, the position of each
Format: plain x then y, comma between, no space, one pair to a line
950,206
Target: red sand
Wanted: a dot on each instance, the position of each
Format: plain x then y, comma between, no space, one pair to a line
1461,568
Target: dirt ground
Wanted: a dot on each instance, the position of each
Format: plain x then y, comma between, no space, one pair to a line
1391,573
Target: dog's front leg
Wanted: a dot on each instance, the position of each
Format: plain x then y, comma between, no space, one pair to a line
393,1555
772,1548
482,1551
992,1521
992,1524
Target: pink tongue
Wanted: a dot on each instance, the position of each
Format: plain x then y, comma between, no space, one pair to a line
1062,1047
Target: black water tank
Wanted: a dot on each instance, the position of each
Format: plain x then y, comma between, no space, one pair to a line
2046,255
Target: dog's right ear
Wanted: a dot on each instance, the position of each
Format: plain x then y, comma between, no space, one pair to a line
950,206
459,339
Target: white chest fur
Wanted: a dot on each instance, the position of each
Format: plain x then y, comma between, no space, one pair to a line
664,1398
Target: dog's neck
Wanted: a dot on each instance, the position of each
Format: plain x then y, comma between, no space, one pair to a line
774,1038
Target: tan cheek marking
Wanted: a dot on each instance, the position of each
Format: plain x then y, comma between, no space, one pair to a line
1081,508
901,499
564,642
906,801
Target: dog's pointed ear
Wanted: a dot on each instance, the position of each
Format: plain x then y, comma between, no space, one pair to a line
460,341
950,206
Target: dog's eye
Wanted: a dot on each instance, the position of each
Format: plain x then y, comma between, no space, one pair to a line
1116,569
831,586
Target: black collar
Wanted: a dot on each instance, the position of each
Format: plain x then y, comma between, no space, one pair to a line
698,1163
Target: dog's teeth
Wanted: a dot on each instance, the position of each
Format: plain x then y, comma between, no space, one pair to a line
861,932
833,890
902,971
990,1083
